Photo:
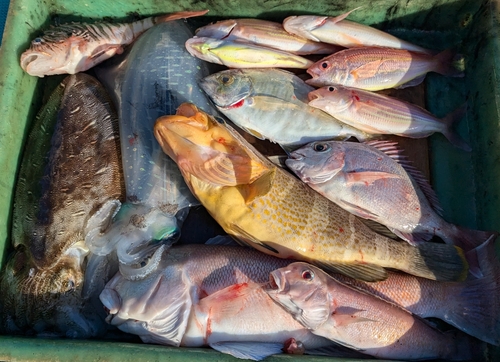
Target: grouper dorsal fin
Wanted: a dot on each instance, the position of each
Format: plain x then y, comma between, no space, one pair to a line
392,150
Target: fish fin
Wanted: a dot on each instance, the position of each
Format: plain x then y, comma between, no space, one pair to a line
413,239
255,351
257,188
378,228
469,239
337,350
249,239
343,16
230,297
367,70
178,15
104,52
96,238
449,63
221,240
278,160
344,316
474,305
392,150
437,261
356,210
450,120
254,133
412,83
367,177
365,272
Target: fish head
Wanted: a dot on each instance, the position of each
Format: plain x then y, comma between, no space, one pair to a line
46,301
332,98
227,89
302,290
325,72
51,54
317,162
201,48
205,148
304,25
218,30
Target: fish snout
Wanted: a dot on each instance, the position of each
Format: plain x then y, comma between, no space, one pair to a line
30,60
277,282
313,96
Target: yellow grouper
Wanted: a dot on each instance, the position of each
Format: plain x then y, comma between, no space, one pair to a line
269,209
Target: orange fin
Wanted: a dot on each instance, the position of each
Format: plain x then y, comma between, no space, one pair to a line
368,177
367,70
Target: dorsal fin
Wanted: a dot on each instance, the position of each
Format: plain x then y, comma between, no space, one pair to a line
391,149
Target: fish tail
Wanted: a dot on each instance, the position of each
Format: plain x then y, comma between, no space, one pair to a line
467,239
449,63
449,132
437,261
474,306
465,348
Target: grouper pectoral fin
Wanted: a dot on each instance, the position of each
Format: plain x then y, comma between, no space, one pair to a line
260,187
365,272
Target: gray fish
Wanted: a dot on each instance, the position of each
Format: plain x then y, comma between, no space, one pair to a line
273,104
153,80
375,181
43,282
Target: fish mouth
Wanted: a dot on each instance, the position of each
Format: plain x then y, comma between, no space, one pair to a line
277,282
313,96
27,59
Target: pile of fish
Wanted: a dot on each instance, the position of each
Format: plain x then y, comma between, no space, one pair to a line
338,252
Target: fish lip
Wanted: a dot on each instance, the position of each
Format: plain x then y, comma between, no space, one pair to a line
313,96
28,58
277,283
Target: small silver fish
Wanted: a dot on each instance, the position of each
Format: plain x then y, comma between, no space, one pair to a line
379,114
76,47
349,34
374,181
363,321
376,68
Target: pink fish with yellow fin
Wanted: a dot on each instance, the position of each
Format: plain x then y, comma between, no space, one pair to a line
76,47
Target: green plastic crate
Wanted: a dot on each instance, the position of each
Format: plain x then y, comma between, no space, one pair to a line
467,183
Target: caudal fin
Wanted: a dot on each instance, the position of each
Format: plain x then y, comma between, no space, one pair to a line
474,306
450,121
449,63
467,239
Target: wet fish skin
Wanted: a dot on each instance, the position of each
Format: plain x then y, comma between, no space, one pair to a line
269,209
265,33
363,321
43,282
272,104
346,33
195,296
241,54
367,180
76,47
379,114
376,68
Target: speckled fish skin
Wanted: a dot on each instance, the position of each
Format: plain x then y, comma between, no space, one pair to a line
272,104
241,54
269,209
42,283
368,181
471,306
346,33
156,76
363,321
76,47
376,68
265,33
379,114
201,294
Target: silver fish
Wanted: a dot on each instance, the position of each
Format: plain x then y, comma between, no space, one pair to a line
76,47
363,321
201,295
153,80
374,181
272,104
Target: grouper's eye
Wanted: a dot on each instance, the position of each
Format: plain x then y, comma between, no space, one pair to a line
320,147
226,79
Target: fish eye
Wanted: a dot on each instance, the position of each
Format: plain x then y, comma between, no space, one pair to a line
71,285
226,79
324,65
37,40
320,147
307,275
332,89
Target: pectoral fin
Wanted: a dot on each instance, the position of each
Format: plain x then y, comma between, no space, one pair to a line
367,70
368,177
344,316
365,272
255,351
343,16
258,188
248,239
